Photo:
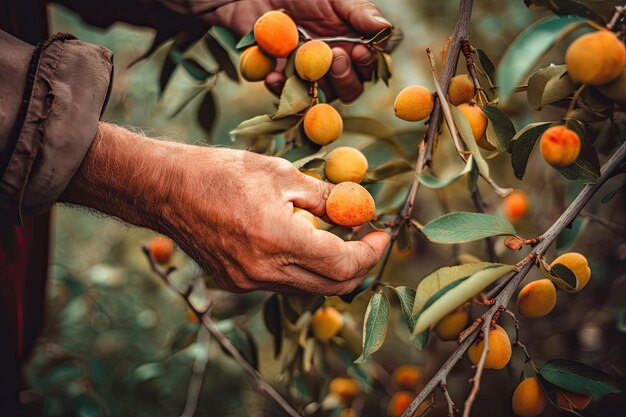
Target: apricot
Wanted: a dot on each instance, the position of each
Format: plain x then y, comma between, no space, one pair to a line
595,58
537,298
307,215
414,103
400,402
478,122
572,401
326,323
515,206
322,124
452,324
559,146
407,377
276,33
499,352
350,205
345,164
346,388
311,174
461,89
161,248
529,400
313,60
577,263
254,65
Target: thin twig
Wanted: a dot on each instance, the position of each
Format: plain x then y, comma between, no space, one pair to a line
604,222
479,367
197,377
446,393
617,16
223,341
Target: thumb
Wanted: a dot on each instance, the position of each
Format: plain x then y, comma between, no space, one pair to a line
364,16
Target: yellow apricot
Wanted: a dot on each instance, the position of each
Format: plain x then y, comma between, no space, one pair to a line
577,263
499,352
414,103
407,377
595,58
400,402
311,174
322,124
313,60
452,324
345,164
537,298
559,146
529,400
461,89
346,388
515,206
161,248
326,323
478,122
276,33
350,205
254,65
572,401
307,215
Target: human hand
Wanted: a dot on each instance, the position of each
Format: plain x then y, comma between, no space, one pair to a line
353,64
232,211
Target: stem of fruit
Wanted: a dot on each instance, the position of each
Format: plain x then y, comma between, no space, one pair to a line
572,103
223,341
479,368
502,299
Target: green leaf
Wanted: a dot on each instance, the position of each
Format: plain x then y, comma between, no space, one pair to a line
389,169
500,129
465,227
273,321
183,40
523,144
568,237
383,68
549,85
455,295
404,242
433,182
487,65
293,99
184,337
394,40
547,388
221,55
375,325
529,47
472,179
246,41
563,276
207,112
465,130
192,67
245,345
579,378
406,296
264,125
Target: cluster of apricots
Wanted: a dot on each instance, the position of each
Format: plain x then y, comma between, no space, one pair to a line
346,389
407,380
529,399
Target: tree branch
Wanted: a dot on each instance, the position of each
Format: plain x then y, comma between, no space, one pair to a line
197,378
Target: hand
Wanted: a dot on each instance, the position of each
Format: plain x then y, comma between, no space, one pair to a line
232,211
353,64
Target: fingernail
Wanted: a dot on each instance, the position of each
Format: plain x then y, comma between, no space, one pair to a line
340,67
382,20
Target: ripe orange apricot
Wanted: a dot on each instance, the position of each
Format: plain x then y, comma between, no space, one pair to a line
572,401
452,324
326,323
499,352
595,58
307,215
559,146
254,65
161,248
276,33
313,60
346,388
577,263
311,174
322,124
537,298
350,205
515,206
345,164
407,377
529,400
461,89
400,402
414,103
478,122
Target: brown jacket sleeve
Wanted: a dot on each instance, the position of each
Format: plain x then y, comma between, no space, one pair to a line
51,98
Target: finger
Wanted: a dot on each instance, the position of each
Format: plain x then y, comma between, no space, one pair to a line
343,78
275,81
308,282
329,94
364,16
310,194
364,61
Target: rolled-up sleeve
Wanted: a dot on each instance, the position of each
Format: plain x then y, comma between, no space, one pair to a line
51,98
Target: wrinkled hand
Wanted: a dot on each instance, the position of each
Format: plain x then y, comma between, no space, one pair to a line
353,64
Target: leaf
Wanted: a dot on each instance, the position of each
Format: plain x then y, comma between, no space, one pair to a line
487,65
563,276
406,297
614,192
579,378
207,112
500,129
547,388
568,237
529,46
472,179
245,345
394,40
193,68
246,41
273,321
381,36
465,130
455,295
523,144
578,8
184,337
264,125
404,242
389,169
375,325
434,282
462,227
383,68
222,57
433,182
293,99
549,85
183,41
365,284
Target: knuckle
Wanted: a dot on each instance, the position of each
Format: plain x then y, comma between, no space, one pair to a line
282,167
